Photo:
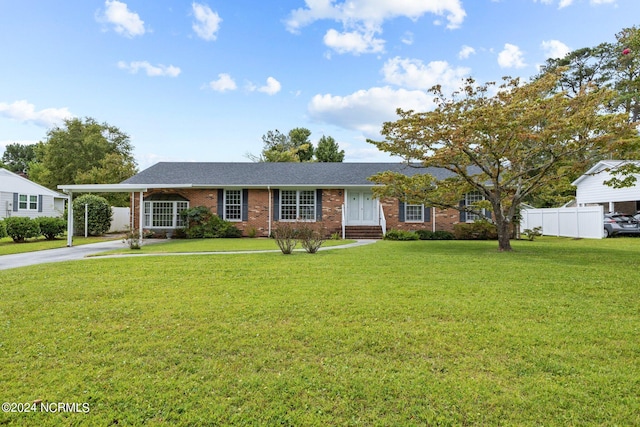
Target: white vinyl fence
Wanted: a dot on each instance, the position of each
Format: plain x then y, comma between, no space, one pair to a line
120,220
585,222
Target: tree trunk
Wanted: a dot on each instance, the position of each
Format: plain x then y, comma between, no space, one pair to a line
504,235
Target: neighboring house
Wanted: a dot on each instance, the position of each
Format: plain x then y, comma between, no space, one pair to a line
21,197
258,196
591,190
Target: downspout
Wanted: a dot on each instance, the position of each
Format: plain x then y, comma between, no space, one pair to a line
69,218
270,209
433,219
141,215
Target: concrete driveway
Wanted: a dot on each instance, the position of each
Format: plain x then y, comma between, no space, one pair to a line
57,255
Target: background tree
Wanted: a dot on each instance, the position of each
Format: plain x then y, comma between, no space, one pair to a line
505,146
328,150
296,147
16,157
84,151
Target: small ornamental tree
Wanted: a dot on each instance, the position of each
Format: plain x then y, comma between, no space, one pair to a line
99,214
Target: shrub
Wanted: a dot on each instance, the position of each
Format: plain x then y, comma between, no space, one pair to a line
20,228
285,235
99,215
201,223
401,235
3,230
532,234
443,235
132,238
478,230
311,236
51,227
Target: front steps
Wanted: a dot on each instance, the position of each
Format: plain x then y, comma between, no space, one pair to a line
362,232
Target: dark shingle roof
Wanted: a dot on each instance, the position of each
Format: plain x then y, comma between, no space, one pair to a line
271,174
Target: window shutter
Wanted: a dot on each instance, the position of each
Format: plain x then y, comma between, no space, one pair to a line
15,202
221,203
39,202
427,214
245,204
276,205
463,214
401,211
319,204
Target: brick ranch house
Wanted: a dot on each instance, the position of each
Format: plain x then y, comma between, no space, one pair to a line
256,197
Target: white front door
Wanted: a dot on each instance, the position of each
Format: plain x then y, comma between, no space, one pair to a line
361,208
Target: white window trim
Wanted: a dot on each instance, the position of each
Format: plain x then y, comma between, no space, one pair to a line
298,219
148,216
28,202
471,216
406,206
224,209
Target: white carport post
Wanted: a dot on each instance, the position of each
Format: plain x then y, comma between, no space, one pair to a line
69,218
141,214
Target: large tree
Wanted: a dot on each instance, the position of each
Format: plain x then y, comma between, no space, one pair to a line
84,151
328,150
505,146
295,146
16,157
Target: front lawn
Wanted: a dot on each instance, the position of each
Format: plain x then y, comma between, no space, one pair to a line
212,245
8,246
394,333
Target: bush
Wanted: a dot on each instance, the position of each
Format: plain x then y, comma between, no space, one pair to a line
286,237
201,223
401,235
311,236
20,228
478,230
51,227
99,218
132,238
434,235
3,230
532,234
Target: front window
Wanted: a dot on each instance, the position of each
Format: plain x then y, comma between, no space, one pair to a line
470,200
27,202
233,205
298,205
158,214
414,213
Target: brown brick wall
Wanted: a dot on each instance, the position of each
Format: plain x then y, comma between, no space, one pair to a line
332,200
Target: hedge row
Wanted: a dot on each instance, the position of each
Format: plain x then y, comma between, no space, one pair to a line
21,228
479,230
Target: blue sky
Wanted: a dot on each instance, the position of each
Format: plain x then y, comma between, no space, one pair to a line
203,81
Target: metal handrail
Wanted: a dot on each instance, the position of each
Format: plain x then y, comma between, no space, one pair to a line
382,219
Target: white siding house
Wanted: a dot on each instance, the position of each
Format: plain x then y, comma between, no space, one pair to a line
21,197
591,190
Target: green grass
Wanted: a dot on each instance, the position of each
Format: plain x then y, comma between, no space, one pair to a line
395,333
213,245
8,246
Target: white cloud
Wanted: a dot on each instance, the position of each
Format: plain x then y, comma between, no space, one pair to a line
353,42
362,20
125,22
466,51
151,70
511,57
366,110
554,49
207,22
408,38
22,111
271,88
414,74
372,13
223,84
